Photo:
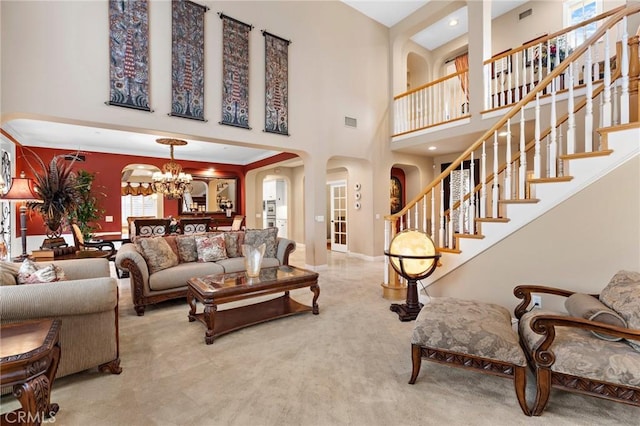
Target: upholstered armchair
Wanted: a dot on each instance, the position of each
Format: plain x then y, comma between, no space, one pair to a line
593,349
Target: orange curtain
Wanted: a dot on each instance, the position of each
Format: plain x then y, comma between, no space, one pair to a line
462,64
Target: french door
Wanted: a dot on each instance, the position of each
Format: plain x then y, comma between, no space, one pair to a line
338,191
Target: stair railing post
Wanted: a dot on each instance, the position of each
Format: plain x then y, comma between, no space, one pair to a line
634,72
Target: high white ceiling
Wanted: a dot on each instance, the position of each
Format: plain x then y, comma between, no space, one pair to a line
81,138
390,13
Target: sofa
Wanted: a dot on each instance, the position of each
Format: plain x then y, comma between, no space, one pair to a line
86,302
159,267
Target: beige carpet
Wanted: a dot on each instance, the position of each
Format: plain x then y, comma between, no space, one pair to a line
347,366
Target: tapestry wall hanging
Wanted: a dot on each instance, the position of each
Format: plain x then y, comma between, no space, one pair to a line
187,60
276,100
129,50
235,72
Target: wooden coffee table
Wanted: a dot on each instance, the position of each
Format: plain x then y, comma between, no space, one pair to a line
214,290
29,355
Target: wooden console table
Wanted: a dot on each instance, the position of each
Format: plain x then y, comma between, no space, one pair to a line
29,356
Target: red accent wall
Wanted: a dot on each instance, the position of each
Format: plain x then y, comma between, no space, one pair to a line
108,169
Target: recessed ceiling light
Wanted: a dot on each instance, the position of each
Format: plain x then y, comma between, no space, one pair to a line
432,148
453,22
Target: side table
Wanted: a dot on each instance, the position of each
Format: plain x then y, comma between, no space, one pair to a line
29,356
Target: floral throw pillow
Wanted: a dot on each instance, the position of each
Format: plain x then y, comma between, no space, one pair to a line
32,273
158,254
268,236
622,295
187,249
233,240
211,247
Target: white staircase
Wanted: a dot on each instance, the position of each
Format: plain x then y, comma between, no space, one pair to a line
624,143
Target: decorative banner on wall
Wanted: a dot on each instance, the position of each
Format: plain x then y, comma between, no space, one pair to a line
276,101
129,49
235,72
187,60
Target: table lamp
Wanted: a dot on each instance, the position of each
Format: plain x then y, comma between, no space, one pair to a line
22,191
414,256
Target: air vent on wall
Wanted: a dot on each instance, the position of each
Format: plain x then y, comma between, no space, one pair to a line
350,121
524,14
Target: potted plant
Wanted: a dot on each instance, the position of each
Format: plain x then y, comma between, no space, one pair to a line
56,185
87,212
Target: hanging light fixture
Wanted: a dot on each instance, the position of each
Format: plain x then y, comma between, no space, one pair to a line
172,182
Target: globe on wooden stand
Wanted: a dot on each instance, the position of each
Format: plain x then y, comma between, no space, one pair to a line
413,255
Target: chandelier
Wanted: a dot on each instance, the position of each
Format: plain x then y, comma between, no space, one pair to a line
172,182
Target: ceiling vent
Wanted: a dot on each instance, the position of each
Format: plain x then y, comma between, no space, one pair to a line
524,14
75,157
350,122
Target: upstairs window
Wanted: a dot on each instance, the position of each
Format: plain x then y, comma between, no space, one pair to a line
577,11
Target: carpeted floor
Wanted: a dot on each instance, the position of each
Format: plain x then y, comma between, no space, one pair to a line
347,366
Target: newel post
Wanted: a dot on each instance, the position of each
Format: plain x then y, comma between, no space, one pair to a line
392,288
634,72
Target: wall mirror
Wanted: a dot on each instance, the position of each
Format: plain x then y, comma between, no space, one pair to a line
212,195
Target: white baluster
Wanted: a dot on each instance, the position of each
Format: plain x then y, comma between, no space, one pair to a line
560,150
507,177
523,159
606,107
424,214
461,199
495,188
507,71
483,179
571,123
536,155
502,97
442,222
516,83
433,215
472,197
553,143
624,63
588,118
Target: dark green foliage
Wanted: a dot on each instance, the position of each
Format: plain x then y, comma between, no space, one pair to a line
87,212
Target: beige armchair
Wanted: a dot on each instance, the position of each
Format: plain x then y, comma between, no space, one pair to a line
593,349
87,304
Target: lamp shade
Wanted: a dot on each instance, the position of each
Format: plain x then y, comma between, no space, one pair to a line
413,254
21,190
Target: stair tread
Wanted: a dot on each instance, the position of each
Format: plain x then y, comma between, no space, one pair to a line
521,201
448,250
473,236
586,154
493,219
551,179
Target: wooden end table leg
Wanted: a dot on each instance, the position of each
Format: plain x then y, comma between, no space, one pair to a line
34,398
191,301
209,319
316,293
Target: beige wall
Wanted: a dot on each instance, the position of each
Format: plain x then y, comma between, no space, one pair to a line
578,245
55,65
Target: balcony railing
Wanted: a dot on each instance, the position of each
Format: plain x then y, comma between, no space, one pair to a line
508,78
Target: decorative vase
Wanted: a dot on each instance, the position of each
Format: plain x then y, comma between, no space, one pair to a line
253,259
